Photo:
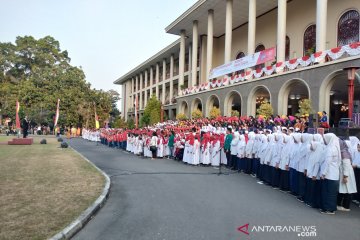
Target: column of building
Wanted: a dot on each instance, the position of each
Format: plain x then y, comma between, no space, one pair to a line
181,60
163,80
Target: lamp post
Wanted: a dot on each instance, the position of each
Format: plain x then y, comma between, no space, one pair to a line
351,76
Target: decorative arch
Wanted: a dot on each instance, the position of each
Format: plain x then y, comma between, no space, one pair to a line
303,91
309,39
212,101
348,30
233,100
184,108
255,93
325,88
196,104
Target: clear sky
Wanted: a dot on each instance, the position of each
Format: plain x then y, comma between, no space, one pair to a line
107,38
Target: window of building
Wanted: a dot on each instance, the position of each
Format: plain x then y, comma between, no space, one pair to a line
238,56
348,28
260,48
310,40
287,48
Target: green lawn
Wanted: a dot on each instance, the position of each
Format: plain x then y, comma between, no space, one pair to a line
43,188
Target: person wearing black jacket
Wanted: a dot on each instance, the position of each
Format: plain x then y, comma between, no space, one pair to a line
25,126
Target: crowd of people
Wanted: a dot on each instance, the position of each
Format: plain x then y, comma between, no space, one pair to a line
321,170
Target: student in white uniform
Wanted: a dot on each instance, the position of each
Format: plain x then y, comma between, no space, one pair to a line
284,163
316,156
347,184
356,167
330,174
233,149
302,163
294,157
241,153
275,160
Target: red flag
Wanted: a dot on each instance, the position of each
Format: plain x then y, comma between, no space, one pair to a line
57,113
18,126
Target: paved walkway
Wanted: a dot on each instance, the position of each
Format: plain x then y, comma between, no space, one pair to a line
164,199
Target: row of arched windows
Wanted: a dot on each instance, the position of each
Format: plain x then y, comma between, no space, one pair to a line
348,32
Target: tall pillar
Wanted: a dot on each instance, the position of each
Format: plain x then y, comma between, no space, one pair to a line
136,83
210,42
157,80
146,78
151,80
228,30
195,44
146,85
281,31
171,93
132,85
163,85
181,59
141,92
252,27
321,18
190,64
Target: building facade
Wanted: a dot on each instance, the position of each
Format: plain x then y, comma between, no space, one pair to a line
315,41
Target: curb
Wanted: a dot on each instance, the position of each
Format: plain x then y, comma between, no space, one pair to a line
74,227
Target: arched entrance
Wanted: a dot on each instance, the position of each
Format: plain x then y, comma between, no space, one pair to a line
290,94
212,101
232,103
258,95
196,104
184,108
334,96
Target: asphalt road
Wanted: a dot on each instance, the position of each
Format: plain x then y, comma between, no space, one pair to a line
167,200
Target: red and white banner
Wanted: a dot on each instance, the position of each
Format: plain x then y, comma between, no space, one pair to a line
243,63
57,113
18,125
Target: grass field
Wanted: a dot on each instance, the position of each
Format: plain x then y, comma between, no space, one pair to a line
43,188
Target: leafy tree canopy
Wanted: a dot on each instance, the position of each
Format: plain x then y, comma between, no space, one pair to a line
36,72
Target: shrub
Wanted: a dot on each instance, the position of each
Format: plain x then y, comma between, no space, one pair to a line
214,113
265,110
235,113
181,116
64,145
305,107
196,114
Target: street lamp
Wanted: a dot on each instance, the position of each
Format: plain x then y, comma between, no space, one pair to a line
351,76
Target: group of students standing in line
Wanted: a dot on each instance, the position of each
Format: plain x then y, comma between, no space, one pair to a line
321,170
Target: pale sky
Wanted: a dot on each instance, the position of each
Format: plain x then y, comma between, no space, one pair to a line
106,38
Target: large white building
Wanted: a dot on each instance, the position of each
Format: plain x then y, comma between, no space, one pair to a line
216,32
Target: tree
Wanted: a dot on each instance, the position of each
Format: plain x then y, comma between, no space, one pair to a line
196,114
120,123
152,112
305,107
181,116
214,113
265,110
130,123
36,72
